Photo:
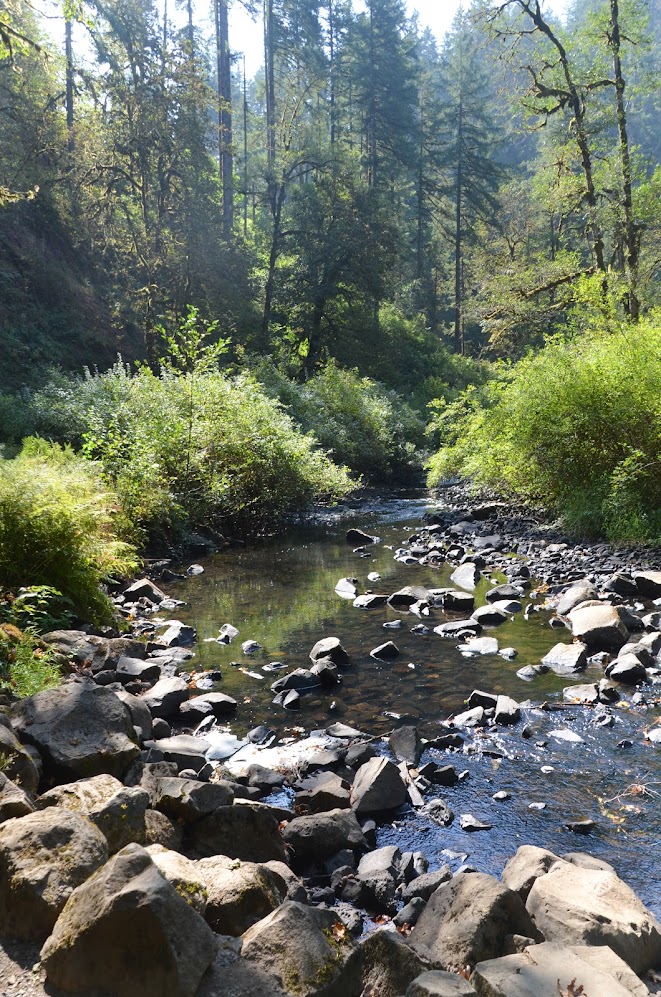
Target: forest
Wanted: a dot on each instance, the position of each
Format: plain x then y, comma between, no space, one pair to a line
222,298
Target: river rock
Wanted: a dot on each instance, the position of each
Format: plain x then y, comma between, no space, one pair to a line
459,628
359,538
97,653
547,970
389,964
177,634
468,919
378,787
407,596
386,651
139,711
242,832
318,836
43,858
622,585
189,799
571,905
378,872
466,576
526,865
564,659
183,874
165,698
80,729
489,616
406,745
322,792
118,811
14,801
322,953
300,678
347,588
211,704
330,647
587,694
648,583
626,669
458,602
325,671
127,930
186,751
238,893
143,588
599,626
503,593
424,885
161,830
508,710
579,592
370,601
137,669
16,762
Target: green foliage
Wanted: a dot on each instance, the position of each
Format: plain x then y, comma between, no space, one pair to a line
189,449
26,667
36,607
57,529
576,426
360,422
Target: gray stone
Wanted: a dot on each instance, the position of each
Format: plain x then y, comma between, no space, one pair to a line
165,698
178,634
648,583
479,645
459,628
388,964
238,894
564,659
80,729
547,970
627,670
407,596
140,715
14,801
468,919
300,678
186,751
137,669
17,762
571,905
406,745
241,832
424,885
319,836
378,787
43,858
322,952
118,811
189,799
578,593
599,627
183,874
330,647
143,588
385,651
526,865
370,601
466,576
211,704
490,616
508,711
128,931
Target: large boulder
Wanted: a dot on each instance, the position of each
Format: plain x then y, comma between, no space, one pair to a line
319,961
548,970
319,836
378,787
330,647
241,832
438,983
648,583
80,729
388,964
238,893
598,625
183,874
140,715
127,931
527,865
43,858
467,920
211,704
118,811
97,653
184,750
573,905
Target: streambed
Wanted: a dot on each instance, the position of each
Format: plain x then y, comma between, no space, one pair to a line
281,594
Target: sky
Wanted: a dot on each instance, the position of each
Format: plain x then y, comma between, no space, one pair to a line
246,35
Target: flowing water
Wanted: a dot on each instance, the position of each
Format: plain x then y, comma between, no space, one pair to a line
281,594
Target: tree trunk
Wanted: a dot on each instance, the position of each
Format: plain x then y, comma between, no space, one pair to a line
269,82
631,235
68,50
225,153
273,259
458,337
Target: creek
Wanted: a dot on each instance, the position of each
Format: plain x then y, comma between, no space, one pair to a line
281,594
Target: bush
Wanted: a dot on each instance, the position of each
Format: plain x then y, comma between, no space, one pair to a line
57,529
360,422
189,448
577,426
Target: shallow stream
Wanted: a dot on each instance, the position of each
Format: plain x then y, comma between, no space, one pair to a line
282,595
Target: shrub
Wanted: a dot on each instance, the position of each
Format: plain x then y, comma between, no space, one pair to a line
360,422
56,527
578,425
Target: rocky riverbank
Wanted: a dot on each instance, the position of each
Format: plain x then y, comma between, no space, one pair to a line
144,849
